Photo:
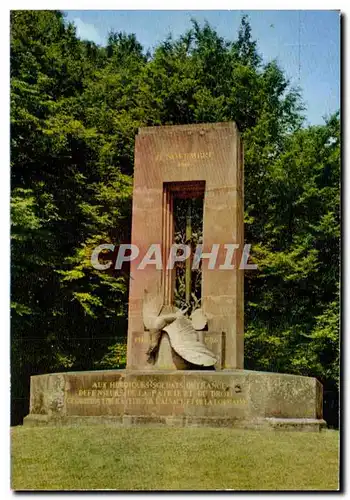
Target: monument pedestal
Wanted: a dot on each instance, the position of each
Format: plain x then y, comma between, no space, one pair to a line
181,398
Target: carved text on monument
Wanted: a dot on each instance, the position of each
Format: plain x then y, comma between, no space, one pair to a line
200,155
191,393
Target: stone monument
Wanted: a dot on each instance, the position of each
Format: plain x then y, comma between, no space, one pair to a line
202,161
185,365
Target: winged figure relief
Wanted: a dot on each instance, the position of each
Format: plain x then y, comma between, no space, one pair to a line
183,331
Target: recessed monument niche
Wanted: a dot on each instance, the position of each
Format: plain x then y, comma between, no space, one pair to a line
187,205
177,323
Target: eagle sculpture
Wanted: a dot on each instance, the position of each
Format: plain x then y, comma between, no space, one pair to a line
183,332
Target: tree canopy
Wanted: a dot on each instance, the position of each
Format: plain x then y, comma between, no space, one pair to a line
75,110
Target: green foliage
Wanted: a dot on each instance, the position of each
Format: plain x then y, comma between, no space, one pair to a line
75,110
292,300
115,357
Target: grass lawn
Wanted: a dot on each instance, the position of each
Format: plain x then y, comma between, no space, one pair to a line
101,457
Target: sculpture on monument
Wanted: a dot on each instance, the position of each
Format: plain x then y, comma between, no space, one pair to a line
184,336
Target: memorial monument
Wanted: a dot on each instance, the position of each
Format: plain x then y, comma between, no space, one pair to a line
185,352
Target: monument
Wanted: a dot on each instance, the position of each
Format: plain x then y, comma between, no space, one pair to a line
185,352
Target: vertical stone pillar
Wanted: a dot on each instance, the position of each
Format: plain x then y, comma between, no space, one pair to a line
181,156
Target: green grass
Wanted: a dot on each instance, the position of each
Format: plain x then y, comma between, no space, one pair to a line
101,457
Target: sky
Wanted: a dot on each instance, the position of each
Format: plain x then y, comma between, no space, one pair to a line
306,43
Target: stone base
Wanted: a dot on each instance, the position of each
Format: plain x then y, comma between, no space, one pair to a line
187,398
285,424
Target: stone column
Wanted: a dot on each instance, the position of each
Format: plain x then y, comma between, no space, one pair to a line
182,155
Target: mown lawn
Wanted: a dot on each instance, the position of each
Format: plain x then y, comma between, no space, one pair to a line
102,457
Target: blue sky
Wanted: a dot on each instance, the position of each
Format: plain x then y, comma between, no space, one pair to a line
315,66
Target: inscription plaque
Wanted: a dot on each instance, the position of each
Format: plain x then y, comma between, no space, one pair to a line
192,393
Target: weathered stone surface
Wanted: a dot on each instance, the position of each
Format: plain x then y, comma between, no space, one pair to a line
237,398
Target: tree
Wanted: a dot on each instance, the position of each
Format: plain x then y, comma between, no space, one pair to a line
293,301
75,110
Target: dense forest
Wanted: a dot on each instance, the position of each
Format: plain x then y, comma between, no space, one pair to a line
75,110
